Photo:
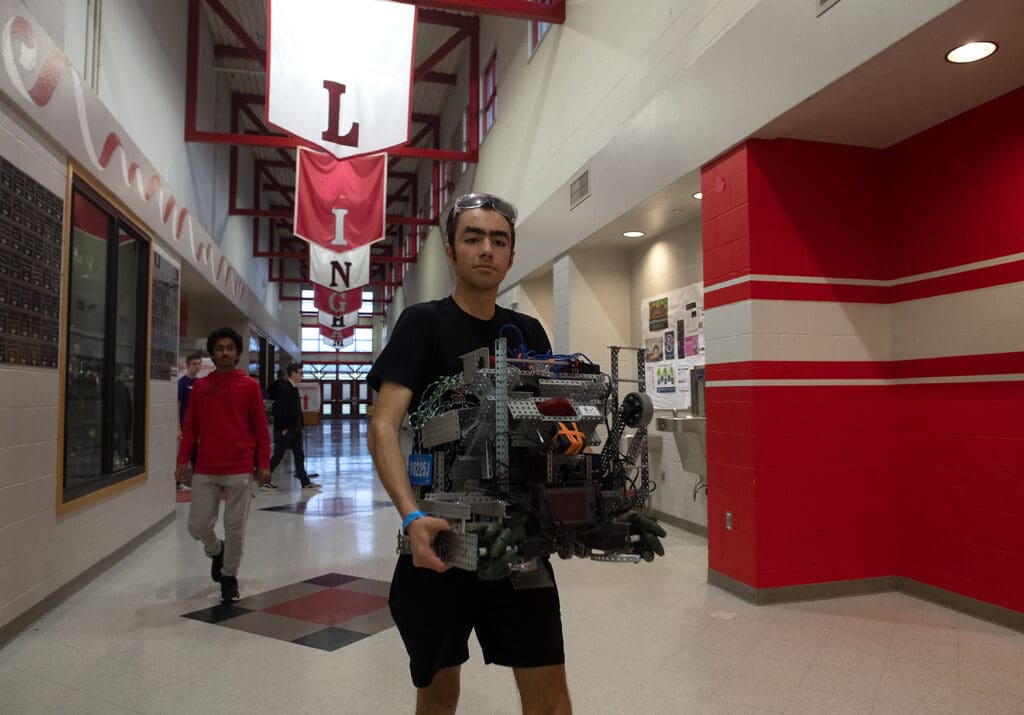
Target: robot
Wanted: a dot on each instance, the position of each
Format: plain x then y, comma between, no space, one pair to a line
507,451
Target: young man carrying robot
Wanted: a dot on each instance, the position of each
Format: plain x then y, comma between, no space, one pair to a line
435,607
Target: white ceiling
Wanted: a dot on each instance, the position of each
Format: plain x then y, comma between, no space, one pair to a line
910,86
896,94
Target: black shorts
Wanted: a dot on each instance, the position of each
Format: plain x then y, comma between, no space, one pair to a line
435,613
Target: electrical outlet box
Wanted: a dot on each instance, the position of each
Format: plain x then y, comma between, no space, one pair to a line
728,520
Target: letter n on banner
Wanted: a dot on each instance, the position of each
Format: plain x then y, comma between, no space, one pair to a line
339,271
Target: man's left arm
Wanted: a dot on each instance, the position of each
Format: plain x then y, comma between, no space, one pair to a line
189,435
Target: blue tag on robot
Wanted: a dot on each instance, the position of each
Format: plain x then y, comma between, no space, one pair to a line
421,469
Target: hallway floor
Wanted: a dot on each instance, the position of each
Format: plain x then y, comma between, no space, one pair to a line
313,638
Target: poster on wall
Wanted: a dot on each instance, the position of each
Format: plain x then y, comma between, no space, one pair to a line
309,395
673,341
164,329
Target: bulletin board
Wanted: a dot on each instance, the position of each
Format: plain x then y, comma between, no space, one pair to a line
163,354
31,219
672,335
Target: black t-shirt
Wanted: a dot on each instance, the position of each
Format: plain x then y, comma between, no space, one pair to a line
429,339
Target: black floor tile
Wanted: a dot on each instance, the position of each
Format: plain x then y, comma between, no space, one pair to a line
330,580
330,639
325,506
217,614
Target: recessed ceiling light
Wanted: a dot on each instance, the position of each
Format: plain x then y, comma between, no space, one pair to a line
633,234
971,52
699,195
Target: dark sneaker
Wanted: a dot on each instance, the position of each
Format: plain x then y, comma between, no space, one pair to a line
217,564
268,486
228,589
310,485
310,475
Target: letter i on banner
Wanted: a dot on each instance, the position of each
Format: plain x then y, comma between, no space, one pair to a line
340,204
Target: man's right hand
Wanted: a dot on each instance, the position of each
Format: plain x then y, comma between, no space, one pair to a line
181,473
421,533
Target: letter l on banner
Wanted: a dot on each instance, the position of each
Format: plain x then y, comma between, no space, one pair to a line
339,72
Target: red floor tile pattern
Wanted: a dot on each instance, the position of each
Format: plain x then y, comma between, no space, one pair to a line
331,606
327,612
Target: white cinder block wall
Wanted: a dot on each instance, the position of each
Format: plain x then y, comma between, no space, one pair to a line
588,78
536,298
659,265
39,551
590,295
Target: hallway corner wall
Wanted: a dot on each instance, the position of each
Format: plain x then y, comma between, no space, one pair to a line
590,294
661,264
863,418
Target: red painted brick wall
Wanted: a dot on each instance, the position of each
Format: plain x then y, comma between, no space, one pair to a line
826,482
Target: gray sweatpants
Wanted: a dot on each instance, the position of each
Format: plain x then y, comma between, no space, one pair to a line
202,515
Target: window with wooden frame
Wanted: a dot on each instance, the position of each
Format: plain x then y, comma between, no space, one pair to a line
105,360
489,110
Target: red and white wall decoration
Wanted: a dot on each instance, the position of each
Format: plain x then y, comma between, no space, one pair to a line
40,80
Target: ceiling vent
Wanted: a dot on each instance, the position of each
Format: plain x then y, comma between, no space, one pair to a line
824,5
579,189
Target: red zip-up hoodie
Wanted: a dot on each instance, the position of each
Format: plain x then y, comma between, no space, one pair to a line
225,416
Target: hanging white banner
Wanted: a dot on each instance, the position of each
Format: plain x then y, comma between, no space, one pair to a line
338,322
339,74
339,271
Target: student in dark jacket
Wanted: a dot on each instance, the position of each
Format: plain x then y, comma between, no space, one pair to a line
288,423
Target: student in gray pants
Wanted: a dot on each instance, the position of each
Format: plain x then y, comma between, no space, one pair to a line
225,417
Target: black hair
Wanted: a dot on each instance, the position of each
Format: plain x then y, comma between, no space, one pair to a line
224,332
293,367
193,356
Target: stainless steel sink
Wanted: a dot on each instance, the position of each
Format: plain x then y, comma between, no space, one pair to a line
689,433
681,425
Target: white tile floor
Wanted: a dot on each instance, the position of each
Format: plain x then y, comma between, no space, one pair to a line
646,638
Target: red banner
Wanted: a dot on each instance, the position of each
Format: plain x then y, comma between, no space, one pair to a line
337,302
339,204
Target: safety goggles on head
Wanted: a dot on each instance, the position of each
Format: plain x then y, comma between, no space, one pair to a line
481,201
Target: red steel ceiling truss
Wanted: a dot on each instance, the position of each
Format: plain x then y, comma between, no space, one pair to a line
249,110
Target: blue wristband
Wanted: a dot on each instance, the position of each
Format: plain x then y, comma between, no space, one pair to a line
410,518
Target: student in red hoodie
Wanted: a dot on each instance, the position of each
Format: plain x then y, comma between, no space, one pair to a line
225,416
